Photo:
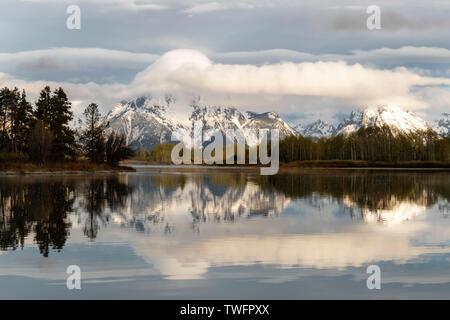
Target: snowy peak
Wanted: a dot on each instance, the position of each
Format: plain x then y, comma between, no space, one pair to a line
316,129
144,121
395,118
442,126
269,120
222,118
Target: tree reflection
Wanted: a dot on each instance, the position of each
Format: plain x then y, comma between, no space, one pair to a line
370,190
103,194
41,207
35,206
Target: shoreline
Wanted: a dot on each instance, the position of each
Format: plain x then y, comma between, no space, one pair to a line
313,164
62,168
80,168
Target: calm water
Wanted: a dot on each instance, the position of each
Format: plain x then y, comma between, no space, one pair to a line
164,233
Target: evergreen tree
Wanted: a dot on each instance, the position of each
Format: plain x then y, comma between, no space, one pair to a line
43,106
54,111
92,138
5,94
21,118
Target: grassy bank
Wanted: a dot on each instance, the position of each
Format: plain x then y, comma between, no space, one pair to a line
24,167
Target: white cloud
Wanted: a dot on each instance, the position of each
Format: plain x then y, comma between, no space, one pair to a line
279,86
187,69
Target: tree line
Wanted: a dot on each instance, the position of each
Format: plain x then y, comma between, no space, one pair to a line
43,133
368,144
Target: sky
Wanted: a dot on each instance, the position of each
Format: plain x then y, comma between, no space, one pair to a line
302,59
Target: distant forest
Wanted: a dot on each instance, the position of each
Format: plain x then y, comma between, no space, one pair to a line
367,144
41,133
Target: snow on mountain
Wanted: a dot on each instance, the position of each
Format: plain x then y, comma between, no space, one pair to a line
442,126
147,121
299,128
316,129
351,124
397,119
269,120
221,118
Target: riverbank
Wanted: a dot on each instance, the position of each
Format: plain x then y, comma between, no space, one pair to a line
367,164
319,164
67,167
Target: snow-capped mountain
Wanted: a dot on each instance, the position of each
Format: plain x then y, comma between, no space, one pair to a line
442,126
147,121
397,119
221,118
316,129
269,120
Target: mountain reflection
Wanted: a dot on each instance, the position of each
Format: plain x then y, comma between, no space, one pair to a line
162,201
385,197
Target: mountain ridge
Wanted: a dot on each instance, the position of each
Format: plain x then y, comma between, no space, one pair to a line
399,121
147,121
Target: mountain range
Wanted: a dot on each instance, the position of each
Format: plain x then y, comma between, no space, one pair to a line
397,119
148,121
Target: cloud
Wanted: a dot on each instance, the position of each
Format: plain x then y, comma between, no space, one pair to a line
74,59
123,4
216,6
66,58
380,57
181,69
284,85
354,19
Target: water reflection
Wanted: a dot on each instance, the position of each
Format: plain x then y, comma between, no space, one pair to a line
183,223
40,207
99,194
385,197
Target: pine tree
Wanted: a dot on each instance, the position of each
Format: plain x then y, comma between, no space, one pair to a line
43,106
54,111
20,116
24,122
92,138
